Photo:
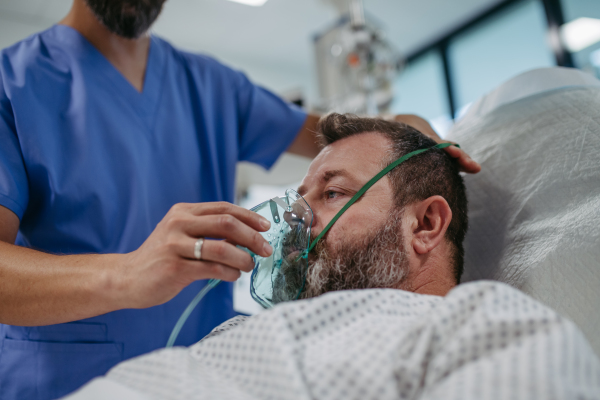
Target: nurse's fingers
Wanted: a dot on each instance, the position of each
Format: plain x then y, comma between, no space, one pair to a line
467,164
218,251
250,218
228,227
197,270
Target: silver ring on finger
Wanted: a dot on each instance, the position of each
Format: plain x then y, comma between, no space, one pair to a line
198,249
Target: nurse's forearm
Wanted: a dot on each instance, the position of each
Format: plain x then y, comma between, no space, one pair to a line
42,289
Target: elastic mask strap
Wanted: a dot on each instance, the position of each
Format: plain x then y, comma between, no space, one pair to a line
367,186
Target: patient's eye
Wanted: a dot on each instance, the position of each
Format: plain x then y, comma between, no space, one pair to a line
332,194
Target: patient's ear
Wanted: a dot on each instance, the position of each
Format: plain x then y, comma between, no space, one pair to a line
433,215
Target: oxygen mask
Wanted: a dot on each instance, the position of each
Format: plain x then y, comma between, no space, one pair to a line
280,277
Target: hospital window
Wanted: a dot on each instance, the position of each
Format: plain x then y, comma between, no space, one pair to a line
445,77
511,42
420,89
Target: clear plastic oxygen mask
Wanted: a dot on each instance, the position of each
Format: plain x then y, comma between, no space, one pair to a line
280,277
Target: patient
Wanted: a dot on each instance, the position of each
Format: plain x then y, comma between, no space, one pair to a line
405,232
409,333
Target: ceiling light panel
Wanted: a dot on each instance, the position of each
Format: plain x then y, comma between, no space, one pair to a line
255,3
580,33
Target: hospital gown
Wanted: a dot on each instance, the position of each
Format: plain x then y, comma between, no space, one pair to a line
484,340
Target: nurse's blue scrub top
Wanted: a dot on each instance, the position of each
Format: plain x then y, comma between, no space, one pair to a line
90,165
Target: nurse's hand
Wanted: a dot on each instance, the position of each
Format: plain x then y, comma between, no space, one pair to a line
467,164
165,262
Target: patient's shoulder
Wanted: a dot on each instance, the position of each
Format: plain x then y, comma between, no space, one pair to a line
227,325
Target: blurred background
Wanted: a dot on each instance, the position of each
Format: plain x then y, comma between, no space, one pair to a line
432,58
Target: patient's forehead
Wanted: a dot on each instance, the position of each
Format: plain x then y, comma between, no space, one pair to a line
361,155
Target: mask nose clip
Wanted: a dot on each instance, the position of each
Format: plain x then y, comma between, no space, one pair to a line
293,214
282,203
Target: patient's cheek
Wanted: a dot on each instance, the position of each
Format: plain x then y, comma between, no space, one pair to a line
354,228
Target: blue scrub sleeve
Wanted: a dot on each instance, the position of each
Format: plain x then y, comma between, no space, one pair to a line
14,188
269,125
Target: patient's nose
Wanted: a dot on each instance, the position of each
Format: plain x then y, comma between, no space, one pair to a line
317,226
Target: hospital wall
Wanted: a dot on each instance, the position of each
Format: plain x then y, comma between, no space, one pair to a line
22,18
509,42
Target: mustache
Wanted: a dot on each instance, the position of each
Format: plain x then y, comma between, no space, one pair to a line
290,281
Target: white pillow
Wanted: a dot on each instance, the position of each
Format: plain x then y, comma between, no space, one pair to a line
534,210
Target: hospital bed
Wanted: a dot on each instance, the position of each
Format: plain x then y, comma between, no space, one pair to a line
534,210
534,224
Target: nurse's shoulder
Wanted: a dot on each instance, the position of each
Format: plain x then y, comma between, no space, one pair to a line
202,67
37,57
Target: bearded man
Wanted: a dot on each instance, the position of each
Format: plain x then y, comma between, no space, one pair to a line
382,315
117,157
405,232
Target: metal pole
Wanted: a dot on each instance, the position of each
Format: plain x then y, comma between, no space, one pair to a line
555,17
357,14
443,49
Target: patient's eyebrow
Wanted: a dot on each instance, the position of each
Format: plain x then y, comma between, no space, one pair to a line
326,177
329,175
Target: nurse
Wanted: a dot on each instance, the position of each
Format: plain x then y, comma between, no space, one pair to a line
117,156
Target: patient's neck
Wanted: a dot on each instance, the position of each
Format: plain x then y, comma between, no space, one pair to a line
432,278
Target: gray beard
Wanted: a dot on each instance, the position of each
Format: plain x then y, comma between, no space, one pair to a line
379,260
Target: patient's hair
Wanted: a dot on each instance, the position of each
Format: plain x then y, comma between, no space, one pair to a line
428,174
